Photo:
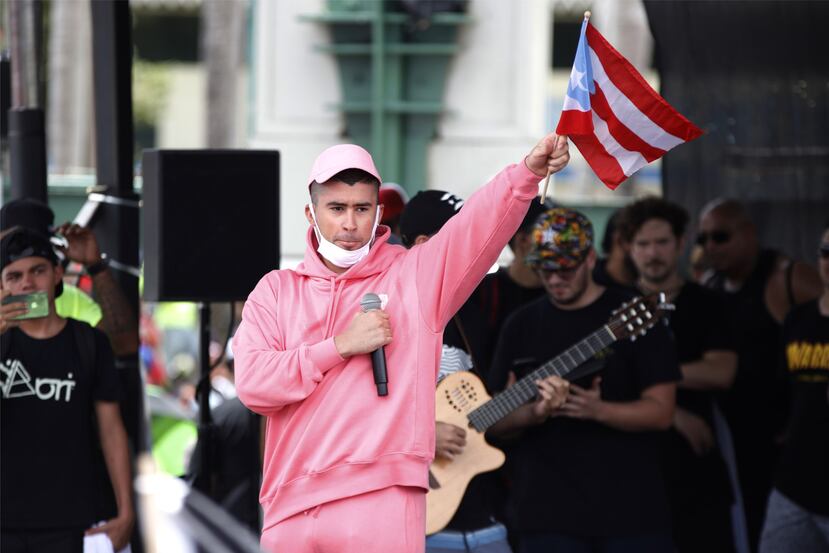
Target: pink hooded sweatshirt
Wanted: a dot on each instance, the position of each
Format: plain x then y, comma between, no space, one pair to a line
329,436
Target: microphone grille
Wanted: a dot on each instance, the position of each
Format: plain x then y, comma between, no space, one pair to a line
370,301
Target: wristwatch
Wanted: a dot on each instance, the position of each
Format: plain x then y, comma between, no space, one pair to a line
98,266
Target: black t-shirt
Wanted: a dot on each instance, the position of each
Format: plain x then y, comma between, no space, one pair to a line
699,324
803,471
754,406
580,477
485,494
47,430
602,277
497,297
472,333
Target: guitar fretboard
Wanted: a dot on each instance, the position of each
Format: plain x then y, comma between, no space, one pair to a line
525,389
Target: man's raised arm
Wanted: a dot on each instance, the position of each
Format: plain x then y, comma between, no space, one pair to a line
452,263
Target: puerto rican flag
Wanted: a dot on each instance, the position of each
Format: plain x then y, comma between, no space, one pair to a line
617,121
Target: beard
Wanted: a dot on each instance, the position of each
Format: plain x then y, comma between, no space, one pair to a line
577,288
657,271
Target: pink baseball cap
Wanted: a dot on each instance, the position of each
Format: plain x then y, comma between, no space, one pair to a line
339,158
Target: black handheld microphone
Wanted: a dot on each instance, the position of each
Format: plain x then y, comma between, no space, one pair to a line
371,302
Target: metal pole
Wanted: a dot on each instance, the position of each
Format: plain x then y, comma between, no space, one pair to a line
115,222
27,128
5,105
27,147
205,475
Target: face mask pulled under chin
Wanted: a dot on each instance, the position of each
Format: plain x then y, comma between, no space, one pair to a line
336,255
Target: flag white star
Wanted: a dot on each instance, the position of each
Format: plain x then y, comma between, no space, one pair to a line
577,78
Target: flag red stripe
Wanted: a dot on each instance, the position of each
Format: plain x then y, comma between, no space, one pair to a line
603,164
573,122
626,138
628,80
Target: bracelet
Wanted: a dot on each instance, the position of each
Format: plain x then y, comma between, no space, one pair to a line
98,266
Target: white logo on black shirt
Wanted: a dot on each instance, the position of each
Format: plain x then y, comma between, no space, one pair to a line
16,382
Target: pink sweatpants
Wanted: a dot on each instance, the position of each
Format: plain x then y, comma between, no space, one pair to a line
388,520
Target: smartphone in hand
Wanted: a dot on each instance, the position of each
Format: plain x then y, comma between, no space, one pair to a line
37,304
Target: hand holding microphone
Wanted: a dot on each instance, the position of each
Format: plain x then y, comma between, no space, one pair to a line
371,304
368,332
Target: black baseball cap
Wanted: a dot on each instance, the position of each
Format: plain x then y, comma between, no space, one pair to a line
23,242
426,213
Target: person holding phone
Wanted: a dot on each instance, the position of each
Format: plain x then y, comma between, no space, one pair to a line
57,399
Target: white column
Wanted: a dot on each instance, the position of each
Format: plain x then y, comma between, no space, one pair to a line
496,94
295,89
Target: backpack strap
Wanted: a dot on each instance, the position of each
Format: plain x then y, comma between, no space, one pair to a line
85,342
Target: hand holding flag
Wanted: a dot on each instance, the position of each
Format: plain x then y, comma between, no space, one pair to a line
616,120
549,156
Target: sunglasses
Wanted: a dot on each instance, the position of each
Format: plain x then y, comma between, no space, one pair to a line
717,237
823,251
565,274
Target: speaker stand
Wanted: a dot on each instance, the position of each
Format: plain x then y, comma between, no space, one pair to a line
205,480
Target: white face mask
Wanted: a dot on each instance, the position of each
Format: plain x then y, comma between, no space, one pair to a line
336,255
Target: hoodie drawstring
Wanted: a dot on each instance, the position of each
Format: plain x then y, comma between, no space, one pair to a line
336,291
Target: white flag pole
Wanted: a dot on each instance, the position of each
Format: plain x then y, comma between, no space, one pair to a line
543,196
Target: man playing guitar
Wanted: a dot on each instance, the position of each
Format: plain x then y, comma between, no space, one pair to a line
586,477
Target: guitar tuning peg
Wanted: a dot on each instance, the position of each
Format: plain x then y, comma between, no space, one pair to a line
643,331
633,337
624,318
629,327
648,315
639,321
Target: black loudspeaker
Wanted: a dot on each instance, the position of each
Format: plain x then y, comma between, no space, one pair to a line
211,223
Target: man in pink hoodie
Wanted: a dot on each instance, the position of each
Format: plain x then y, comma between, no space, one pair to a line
344,468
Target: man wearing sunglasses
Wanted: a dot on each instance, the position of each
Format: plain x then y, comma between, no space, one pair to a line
760,287
696,477
797,518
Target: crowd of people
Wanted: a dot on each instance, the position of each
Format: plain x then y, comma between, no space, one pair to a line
710,432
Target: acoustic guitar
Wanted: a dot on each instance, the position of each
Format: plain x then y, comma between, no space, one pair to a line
461,399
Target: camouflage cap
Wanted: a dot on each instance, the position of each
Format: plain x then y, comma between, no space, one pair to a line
561,240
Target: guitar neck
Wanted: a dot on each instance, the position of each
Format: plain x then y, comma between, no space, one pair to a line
504,403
